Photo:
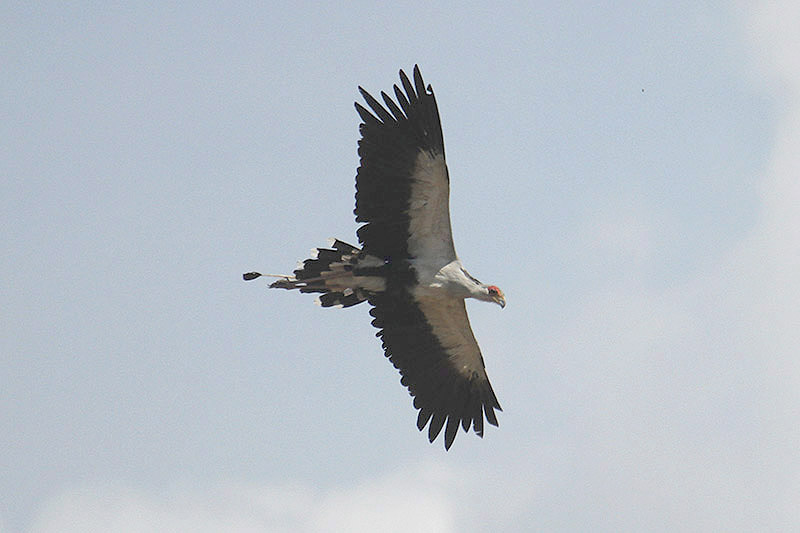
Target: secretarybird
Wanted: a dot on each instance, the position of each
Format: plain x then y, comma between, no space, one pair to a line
407,268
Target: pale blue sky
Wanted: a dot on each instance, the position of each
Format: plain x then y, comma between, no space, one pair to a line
627,175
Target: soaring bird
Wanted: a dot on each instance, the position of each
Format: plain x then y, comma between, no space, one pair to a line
407,268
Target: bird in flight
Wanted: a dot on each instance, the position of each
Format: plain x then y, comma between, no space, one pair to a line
407,268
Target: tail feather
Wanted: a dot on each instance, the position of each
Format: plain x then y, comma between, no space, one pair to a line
328,273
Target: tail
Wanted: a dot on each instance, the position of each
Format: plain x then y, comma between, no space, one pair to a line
329,272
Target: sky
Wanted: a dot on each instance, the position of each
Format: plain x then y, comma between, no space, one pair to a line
627,175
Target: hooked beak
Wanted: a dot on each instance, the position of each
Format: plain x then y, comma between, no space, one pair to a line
500,300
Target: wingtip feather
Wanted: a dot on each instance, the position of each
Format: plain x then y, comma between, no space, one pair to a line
435,426
451,431
490,416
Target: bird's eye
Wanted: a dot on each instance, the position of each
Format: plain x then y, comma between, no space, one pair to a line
492,290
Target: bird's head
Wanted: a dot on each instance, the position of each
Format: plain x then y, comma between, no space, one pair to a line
496,295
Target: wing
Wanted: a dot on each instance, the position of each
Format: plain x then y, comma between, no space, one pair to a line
432,344
402,186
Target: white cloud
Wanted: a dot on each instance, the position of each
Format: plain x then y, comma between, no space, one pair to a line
684,401
700,405
772,29
771,258
413,500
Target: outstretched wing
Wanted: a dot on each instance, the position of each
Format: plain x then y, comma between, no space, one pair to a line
402,186
431,343
402,197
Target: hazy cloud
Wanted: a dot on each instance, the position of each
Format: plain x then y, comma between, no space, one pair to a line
416,499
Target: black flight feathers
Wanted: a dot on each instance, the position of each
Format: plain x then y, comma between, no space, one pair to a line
417,108
444,396
391,141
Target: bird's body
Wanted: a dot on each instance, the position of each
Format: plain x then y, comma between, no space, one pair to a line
407,268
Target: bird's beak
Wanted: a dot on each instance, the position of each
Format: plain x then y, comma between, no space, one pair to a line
500,300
